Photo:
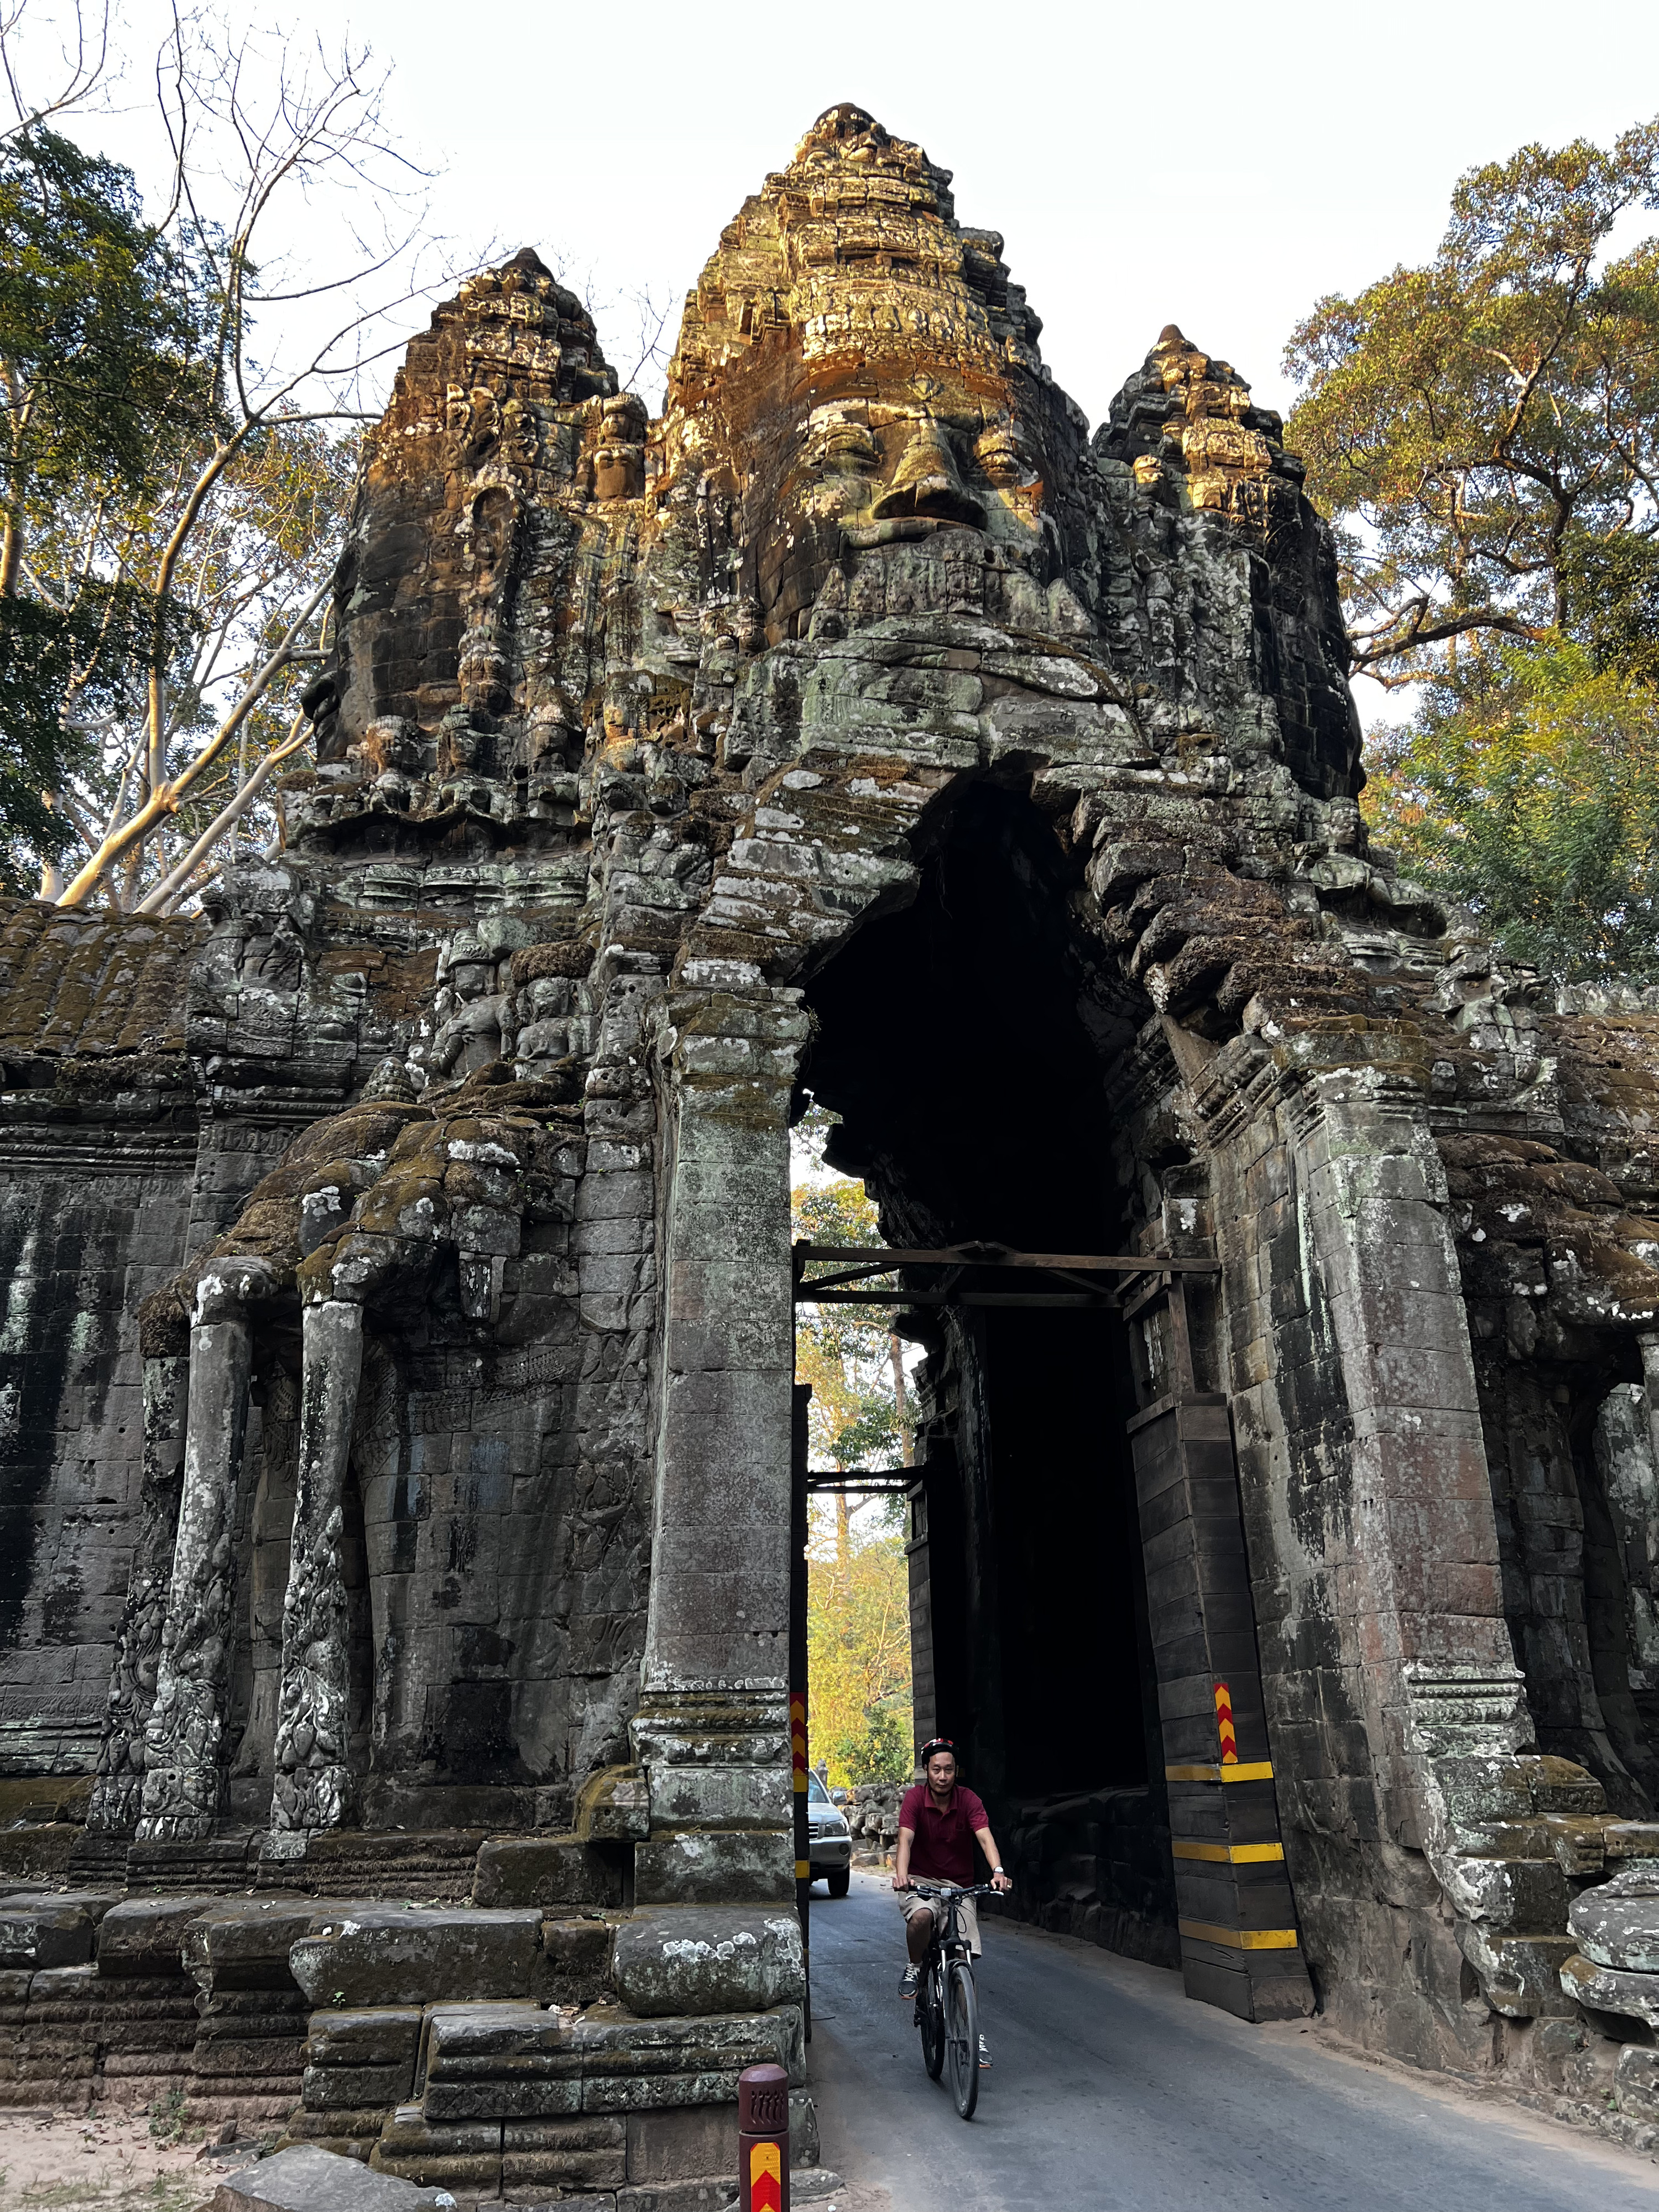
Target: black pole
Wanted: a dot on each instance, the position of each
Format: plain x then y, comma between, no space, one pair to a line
798,1454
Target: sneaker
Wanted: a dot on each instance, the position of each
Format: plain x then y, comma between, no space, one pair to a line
908,1981
984,2052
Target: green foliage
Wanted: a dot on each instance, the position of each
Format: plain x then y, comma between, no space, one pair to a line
846,1352
99,324
1526,786
858,1575
98,335
1486,429
858,1642
166,2117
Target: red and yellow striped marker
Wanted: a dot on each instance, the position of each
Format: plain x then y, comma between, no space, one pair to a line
1223,1721
765,2178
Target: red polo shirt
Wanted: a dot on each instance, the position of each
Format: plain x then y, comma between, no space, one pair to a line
944,1846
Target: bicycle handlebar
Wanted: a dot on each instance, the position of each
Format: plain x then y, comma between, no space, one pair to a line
955,1889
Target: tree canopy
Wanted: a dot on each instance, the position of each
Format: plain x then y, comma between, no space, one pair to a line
1526,787
859,1714
1486,428
182,391
99,351
1485,432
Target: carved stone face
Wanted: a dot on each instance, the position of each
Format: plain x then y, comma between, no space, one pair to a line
877,368
619,457
490,536
1001,457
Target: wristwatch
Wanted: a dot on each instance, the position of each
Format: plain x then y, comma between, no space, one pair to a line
996,1871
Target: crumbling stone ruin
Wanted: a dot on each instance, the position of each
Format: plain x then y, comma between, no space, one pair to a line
395,1590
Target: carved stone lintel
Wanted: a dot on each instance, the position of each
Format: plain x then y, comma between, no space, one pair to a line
313,1785
184,1775
118,1792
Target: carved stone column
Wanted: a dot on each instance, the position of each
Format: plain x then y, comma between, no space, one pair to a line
712,1730
117,1793
183,1774
312,1783
1426,1598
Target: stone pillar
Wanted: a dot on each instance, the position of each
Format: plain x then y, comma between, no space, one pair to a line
313,1781
1426,1609
183,1773
117,1793
711,1729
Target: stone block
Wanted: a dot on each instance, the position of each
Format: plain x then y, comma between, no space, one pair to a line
503,2097
381,1956
614,2044
715,1866
545,1870
708,1959
499,2062
575,1961
252,2055
1636,2081
696,2139
614,1805
1520,1975
349,2134
146,1934
1559,1786
1506,1892
381,2035
58,1929
1617,1923
407,2133
348,2088
564,2154
307,2178
247,1945
466,2158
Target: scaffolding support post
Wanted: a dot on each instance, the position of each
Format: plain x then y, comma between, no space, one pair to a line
798,1454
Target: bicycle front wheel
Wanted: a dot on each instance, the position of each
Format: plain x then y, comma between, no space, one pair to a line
930,2018
962,2036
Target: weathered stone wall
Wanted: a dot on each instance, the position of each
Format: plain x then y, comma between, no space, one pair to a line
98,1120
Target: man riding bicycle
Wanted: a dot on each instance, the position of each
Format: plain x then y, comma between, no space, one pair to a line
939,1822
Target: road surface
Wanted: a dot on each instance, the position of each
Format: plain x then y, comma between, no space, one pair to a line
1109,2087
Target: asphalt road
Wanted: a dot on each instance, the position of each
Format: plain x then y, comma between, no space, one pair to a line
1109,2087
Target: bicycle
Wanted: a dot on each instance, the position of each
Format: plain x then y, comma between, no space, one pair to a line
947,2002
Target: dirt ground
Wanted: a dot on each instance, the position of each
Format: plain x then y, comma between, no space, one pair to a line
59,2161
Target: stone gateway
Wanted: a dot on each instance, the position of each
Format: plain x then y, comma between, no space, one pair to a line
394,1597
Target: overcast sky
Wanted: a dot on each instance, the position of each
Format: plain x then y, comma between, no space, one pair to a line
1215,165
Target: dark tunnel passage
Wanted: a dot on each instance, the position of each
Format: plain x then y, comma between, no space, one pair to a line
968,1044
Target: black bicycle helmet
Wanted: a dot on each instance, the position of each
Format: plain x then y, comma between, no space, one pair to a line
935,1743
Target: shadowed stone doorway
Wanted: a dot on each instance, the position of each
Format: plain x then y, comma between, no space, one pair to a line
987,1066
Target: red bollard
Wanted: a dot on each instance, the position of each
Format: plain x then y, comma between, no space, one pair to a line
763,2139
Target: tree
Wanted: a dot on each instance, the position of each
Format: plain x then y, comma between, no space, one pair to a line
848,1353
99,340
858,1637
858,1575
1486,428
1526,786
214,543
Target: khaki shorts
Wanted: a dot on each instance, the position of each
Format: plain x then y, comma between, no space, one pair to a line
967,1913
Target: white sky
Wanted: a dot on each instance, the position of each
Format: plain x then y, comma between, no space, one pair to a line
1218,166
